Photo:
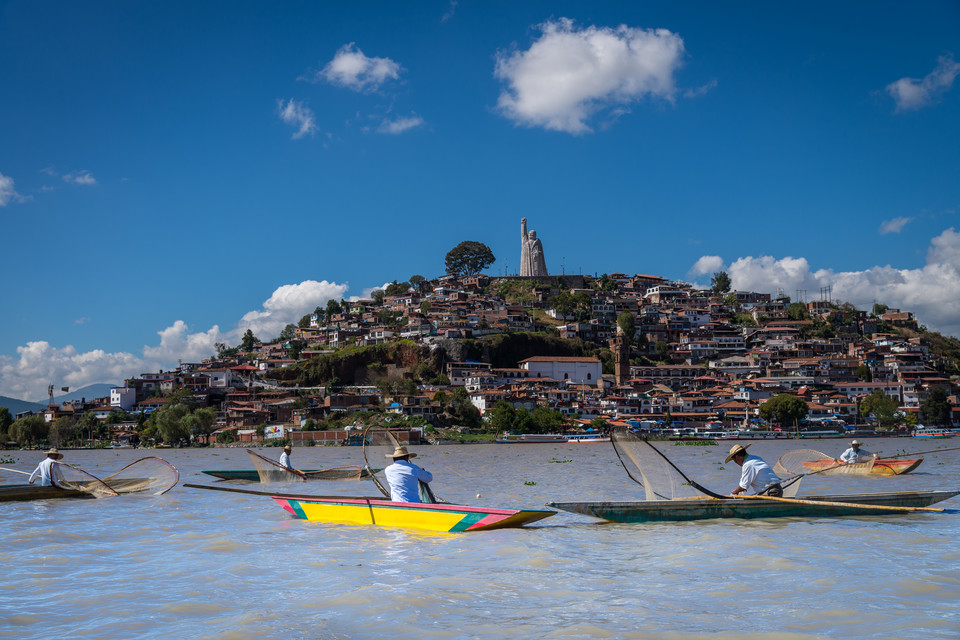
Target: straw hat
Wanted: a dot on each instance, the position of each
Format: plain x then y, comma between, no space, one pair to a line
735,449
287,447
855,442
399,452
53,453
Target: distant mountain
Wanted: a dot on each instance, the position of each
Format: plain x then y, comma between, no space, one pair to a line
89,393
19,406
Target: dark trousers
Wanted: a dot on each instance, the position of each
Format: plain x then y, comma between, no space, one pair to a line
774,490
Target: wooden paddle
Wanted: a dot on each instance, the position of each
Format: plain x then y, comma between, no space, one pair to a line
270,494
15,471
920,453
840,504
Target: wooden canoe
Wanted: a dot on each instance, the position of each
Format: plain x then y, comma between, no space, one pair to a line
881,467
339,473
448,518
709,508
23,492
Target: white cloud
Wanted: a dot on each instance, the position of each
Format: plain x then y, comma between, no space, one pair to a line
931,292
80,177
400,125
8,193
894,226
298,115
38,363
911,94
288,304
450,11
570,74
696,92
707,264
350,68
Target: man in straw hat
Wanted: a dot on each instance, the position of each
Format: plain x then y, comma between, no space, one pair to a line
285,458
756,474
855,454
43,469
404,476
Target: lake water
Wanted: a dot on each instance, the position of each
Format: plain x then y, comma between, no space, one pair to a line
205,564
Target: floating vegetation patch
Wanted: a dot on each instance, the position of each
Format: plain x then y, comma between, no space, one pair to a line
695,443
7,460
530,483
560,461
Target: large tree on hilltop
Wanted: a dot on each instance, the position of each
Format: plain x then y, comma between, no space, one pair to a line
720,282
469,258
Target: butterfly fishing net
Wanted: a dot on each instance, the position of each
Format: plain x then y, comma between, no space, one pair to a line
71,478
807,461
649,468
335,473
377,443
271,471
150,476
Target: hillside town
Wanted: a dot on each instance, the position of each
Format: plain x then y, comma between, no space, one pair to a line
646,351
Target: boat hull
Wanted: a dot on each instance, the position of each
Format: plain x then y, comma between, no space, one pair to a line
447,518
710,508
880,467
24,492
314,474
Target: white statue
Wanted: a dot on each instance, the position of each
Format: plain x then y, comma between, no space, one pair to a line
532,262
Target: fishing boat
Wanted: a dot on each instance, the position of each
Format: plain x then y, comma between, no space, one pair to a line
880,467
706,508
588,438
252,475
24,492
441,517
933,432
531,438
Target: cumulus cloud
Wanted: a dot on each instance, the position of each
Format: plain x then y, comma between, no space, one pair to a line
707,264
400,125
8,193
911,94
38,364
894,226
931,292
80,177
350,68
298,115
569,74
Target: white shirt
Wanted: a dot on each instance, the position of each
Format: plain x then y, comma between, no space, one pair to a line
285,460
855,456
756,474
43,470
404,478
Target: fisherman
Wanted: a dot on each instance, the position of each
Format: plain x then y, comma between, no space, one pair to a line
285,458
855,454
756,474
43,469
404,476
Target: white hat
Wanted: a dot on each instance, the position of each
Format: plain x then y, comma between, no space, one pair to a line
400,452
736,449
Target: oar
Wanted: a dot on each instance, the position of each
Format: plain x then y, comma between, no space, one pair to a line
920,453
15,471
270,494
840,504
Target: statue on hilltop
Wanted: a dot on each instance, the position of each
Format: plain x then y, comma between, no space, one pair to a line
532,262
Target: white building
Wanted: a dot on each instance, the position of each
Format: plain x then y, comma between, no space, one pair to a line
578,370
123,398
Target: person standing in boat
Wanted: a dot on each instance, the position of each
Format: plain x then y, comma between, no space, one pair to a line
43,469
854,454
405,477
285,458
755,473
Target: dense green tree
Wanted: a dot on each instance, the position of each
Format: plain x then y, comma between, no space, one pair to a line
720,282
289,333
468,258
333,307
377,295
785,408
249,341
661,348
170,424
29,430
879,309
798,311
417,281
936,408
200,422
62,431
880,406
397,288
547,420
863,373
628,325
5,421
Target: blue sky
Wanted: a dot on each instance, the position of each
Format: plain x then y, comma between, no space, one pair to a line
174,173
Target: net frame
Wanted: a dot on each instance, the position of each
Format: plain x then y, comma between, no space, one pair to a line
272,471
661,479
151,474
70,478
805,462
